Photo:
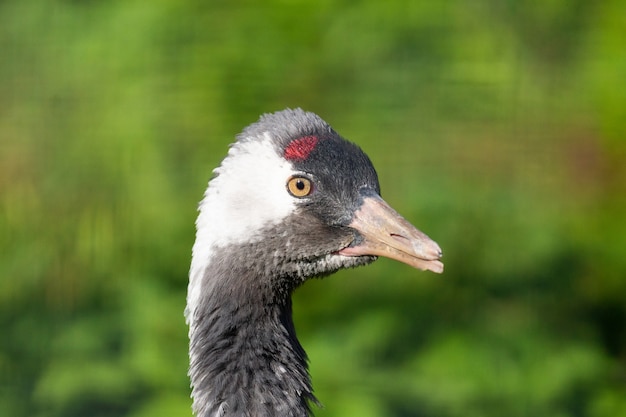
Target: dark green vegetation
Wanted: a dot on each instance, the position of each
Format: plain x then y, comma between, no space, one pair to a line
497,127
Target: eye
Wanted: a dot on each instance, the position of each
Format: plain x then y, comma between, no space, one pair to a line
299,186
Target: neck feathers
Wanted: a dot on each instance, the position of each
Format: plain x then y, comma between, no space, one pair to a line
245,357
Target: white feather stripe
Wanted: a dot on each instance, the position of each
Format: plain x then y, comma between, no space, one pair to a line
252,174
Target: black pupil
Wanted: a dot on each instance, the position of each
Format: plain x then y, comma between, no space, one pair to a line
300,185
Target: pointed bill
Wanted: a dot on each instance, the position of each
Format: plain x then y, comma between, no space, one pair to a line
386,233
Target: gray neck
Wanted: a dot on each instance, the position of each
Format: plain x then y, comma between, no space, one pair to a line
245,357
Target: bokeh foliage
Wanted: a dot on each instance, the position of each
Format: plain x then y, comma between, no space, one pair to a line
496,126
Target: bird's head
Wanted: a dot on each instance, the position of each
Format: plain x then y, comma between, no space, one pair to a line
293,199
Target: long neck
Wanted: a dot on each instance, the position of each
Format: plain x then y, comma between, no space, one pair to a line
245,359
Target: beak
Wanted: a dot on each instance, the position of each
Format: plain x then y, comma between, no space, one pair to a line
386,233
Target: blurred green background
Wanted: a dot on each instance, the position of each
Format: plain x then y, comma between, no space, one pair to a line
497,127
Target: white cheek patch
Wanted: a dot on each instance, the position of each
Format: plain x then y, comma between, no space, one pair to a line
248,193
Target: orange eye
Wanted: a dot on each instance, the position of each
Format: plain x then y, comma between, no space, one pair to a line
299,186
